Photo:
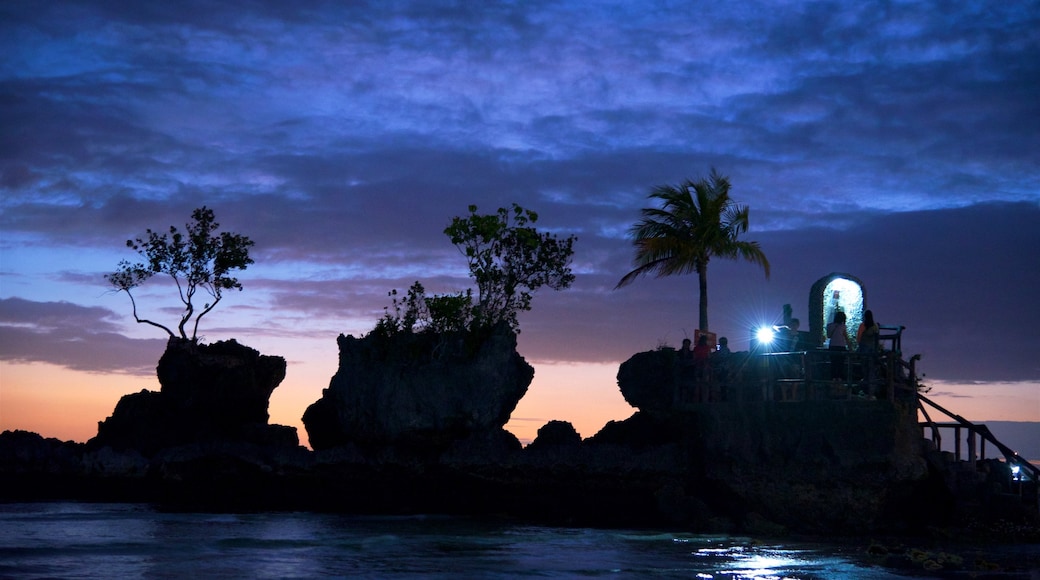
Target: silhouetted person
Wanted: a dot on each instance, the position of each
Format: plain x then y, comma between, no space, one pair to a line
686,373
701,352
723,347
702,366
839,343
720,368
791,334
867,334
866,343
685,353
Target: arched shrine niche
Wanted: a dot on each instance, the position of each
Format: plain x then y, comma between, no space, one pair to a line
833,292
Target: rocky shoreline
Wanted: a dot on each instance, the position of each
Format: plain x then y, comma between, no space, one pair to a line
416,427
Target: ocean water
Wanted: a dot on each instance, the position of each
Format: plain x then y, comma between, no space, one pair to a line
82,540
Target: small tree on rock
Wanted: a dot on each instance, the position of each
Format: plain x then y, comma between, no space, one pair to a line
507,257
197,259
510,260
418,312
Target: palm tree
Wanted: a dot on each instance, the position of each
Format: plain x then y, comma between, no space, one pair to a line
696,221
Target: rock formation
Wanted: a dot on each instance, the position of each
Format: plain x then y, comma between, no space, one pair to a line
215,392
655,382
556,434
413,423
419,392
848,465
648,380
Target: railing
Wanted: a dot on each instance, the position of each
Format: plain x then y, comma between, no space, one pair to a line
810,375
894,336
817,375
973,431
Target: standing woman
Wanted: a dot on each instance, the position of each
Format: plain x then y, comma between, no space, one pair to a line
867,335
838,335
866,343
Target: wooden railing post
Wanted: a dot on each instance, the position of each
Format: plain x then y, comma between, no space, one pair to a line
971,447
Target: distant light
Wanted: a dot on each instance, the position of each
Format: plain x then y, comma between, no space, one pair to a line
765,335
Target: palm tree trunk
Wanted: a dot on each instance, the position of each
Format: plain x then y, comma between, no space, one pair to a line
702,276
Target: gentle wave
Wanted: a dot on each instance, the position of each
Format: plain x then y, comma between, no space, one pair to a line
136,541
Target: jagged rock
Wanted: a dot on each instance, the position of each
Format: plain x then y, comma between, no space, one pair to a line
419,391
209,392
648,380
141,421
639,431
484,448
413,424
27,452
109,462
260,458
220,384
556,434
655,382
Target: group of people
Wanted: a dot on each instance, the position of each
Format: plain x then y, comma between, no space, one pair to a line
704,366
838,335
702,354
701,361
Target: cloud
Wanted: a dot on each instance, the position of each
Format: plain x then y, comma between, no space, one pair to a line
77,337
893,141
960,280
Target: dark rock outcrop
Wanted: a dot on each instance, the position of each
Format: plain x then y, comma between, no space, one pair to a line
27,452
414,424
655,382
640,431
219,386
556,434
211,392
648,380
419,391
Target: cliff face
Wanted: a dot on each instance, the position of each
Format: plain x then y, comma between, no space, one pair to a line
216,392
818,465
223,384
648,380
422,391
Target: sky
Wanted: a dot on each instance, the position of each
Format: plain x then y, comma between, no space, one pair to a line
895,141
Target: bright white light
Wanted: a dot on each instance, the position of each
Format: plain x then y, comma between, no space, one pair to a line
765,335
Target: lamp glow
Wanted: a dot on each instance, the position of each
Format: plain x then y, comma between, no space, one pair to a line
765,335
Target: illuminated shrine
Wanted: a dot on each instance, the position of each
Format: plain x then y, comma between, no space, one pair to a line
834,292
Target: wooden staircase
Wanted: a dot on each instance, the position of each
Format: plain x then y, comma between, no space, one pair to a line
969,472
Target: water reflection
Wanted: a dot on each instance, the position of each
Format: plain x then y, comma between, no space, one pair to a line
96,540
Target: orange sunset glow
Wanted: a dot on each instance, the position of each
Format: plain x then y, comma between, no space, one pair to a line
892,145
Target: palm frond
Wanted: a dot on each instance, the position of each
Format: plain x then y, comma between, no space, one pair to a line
690,223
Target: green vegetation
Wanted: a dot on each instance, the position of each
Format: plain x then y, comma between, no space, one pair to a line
508,258
196,260
418,312
696,221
